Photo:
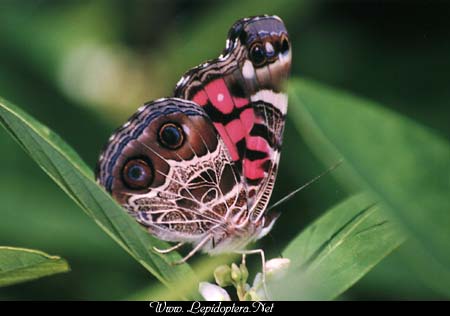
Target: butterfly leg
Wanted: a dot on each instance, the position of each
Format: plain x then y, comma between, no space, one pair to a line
164,251
263,261
194,250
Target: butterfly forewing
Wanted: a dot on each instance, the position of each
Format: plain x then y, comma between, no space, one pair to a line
243,92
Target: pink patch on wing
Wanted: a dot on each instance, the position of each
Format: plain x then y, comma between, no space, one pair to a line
228,142
219,96
201,98
258,143
240,102
253,169
248,119
235,130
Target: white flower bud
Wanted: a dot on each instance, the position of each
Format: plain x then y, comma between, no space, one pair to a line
277,268
212,292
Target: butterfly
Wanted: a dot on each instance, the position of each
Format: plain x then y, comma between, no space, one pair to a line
199,167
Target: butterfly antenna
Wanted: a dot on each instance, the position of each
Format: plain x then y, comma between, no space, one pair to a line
290,195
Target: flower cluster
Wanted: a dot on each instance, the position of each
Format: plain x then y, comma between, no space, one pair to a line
237,277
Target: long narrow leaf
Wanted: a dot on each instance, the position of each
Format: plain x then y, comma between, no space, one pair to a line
404,164
66,168
18,265
338,249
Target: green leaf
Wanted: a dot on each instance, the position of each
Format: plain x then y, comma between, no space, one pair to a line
405,165
66,168
20,265
338,249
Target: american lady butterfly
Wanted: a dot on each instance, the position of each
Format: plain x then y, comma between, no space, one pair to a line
200,167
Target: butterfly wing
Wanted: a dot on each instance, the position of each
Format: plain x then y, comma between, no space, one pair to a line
243,92
201,167
172,171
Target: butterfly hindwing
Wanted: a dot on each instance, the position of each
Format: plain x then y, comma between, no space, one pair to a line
171,170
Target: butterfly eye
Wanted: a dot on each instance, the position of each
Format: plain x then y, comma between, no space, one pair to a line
257,54
171,136
137,174
284,44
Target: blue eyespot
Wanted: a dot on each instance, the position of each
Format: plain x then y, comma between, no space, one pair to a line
171,136
137,174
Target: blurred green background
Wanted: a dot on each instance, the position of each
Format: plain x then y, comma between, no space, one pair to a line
83,67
